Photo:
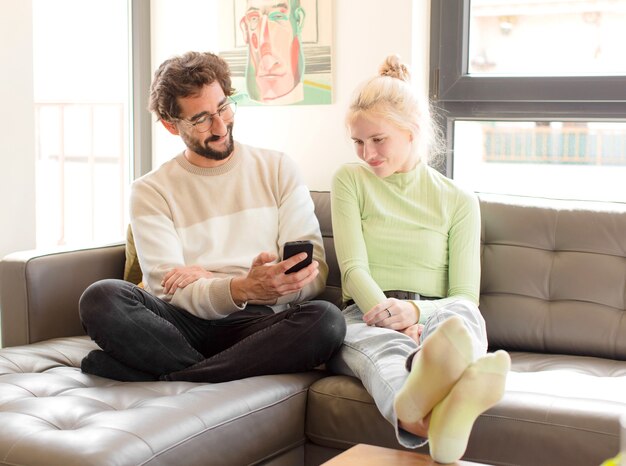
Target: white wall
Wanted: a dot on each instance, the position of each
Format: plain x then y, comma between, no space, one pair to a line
364,33
17,128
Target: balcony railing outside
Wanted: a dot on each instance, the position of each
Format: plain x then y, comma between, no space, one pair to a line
544,144
82,172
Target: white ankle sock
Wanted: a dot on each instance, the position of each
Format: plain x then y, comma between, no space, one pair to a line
480,387
438,365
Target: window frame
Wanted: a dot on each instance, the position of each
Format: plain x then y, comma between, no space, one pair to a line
141,76
457,95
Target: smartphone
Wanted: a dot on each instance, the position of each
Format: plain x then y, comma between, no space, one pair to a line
295,247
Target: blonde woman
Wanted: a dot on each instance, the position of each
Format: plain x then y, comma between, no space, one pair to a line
408,246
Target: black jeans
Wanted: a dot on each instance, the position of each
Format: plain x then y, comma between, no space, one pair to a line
146,338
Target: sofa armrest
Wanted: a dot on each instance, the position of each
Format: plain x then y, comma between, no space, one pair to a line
39,291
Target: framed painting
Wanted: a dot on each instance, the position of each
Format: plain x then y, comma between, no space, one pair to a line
279,52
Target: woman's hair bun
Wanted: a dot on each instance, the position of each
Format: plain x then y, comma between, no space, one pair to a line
393,68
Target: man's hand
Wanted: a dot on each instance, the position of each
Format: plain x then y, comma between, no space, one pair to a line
392,313
180,277
265,283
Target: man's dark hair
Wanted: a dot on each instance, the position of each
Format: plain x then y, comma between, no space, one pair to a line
184,76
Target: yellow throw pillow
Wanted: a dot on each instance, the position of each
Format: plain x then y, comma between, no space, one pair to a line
132,270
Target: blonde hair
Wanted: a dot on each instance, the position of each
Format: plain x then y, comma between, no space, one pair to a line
390,96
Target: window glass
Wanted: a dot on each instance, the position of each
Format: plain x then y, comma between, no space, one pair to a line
81,89
547,37
558,159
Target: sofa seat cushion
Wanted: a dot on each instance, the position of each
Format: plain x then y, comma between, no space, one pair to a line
341,414
557,410
52,413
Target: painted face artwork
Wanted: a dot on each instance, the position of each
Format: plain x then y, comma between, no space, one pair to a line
386,148
275,60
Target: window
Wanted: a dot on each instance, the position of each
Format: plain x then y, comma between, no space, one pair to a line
531,95
558,38
84,118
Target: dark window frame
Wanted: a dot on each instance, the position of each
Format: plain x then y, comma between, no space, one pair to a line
457,95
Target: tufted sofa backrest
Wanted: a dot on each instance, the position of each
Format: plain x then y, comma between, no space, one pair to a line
554,275
332,293
553,278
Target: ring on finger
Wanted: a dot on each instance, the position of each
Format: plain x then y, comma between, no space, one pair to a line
388,312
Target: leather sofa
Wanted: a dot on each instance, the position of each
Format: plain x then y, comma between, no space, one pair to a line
553,294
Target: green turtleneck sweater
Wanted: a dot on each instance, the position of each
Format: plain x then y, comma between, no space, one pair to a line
415,231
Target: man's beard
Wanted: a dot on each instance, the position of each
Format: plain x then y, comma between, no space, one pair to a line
205,150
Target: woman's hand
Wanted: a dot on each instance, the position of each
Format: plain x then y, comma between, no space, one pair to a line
414,331
392,313
180,277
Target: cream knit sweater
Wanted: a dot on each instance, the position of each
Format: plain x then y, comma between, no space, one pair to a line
221,218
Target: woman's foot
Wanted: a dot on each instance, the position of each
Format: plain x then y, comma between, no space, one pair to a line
440,362
480,387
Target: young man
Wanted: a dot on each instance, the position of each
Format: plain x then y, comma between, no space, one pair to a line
209,226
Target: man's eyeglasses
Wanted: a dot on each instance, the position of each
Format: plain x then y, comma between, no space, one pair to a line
204,123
